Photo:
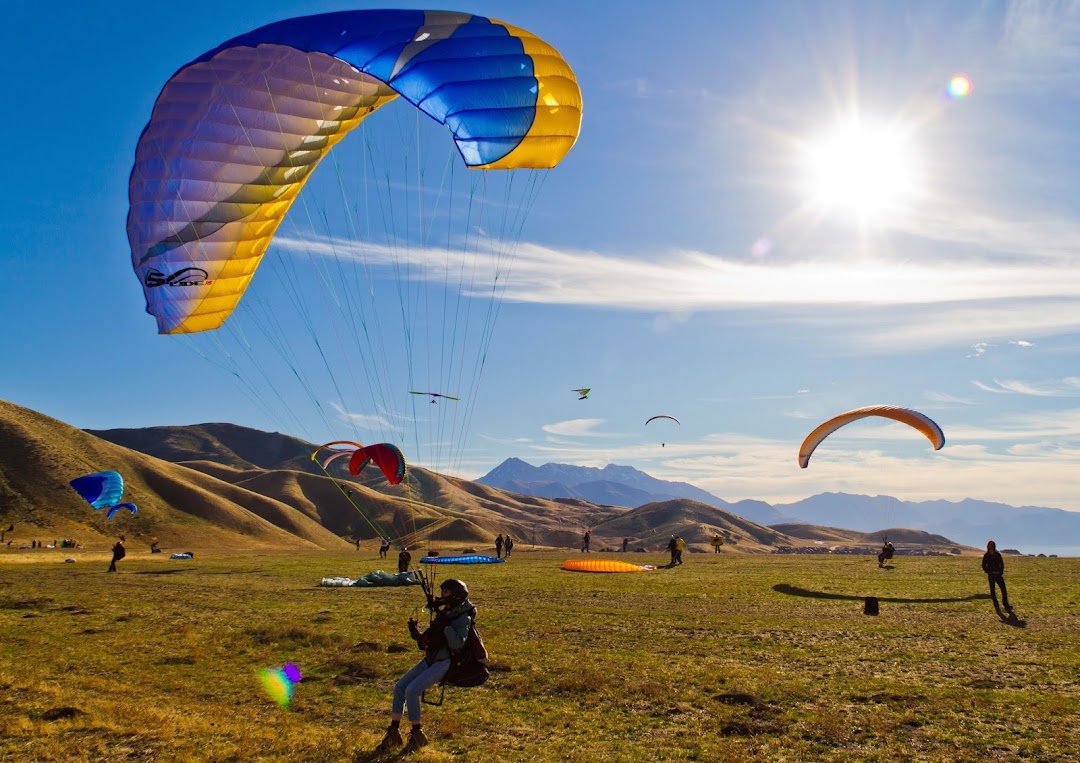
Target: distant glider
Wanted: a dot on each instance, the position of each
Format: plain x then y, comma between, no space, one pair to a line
434,395
662,416
584,392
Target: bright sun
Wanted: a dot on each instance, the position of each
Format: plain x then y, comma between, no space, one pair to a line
863,173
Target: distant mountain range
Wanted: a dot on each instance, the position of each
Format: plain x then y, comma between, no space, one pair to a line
226,486
971,522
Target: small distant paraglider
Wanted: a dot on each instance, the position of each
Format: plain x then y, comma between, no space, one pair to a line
103,490
913,419
583,392
662,416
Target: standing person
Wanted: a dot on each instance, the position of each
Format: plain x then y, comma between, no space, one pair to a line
585,540
680,546
717,541
384,548
498,546
509,544
625,543
404,559
994,567
118,553
454,615
671,548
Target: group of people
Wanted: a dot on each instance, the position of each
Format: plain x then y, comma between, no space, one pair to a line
503,546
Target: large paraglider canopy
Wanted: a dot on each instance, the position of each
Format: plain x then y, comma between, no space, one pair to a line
100,489
103,490
914,419
384,455
236,133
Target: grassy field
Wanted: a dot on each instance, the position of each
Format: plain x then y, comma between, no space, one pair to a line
727,658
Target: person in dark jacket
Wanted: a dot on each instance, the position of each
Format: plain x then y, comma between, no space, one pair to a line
118,553
404,559
994,567
454,615
887,552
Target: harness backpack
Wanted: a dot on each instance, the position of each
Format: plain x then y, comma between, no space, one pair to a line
469,665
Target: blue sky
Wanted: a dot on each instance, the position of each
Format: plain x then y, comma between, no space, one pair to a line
706,250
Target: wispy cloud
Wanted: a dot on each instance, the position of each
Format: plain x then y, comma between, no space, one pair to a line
692,280
1043,38
575,428
946,398
365,421
1066,387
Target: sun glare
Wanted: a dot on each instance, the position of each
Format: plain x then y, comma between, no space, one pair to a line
861,173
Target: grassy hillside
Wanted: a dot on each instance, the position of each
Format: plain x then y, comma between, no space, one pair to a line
183,507
747,658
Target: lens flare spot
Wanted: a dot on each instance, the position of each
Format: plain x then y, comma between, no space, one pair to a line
292,672
959,87
277,685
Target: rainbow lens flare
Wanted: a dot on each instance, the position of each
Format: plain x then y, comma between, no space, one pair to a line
292,672
959,86
277,685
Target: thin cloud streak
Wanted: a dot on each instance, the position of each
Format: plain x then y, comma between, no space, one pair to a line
689,280
575,428
365,421
1067,387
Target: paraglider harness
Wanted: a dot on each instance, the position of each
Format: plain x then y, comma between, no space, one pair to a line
468,665
887,552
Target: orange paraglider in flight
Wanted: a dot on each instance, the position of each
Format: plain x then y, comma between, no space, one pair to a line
912,418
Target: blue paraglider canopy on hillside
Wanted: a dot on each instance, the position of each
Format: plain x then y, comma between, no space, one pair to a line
103,490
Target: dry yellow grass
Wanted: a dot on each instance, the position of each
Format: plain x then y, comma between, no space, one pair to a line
727,658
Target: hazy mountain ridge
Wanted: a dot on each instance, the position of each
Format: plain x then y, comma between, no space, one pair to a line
970,522
612,485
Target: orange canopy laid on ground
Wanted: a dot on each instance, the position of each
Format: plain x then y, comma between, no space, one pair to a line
602,565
